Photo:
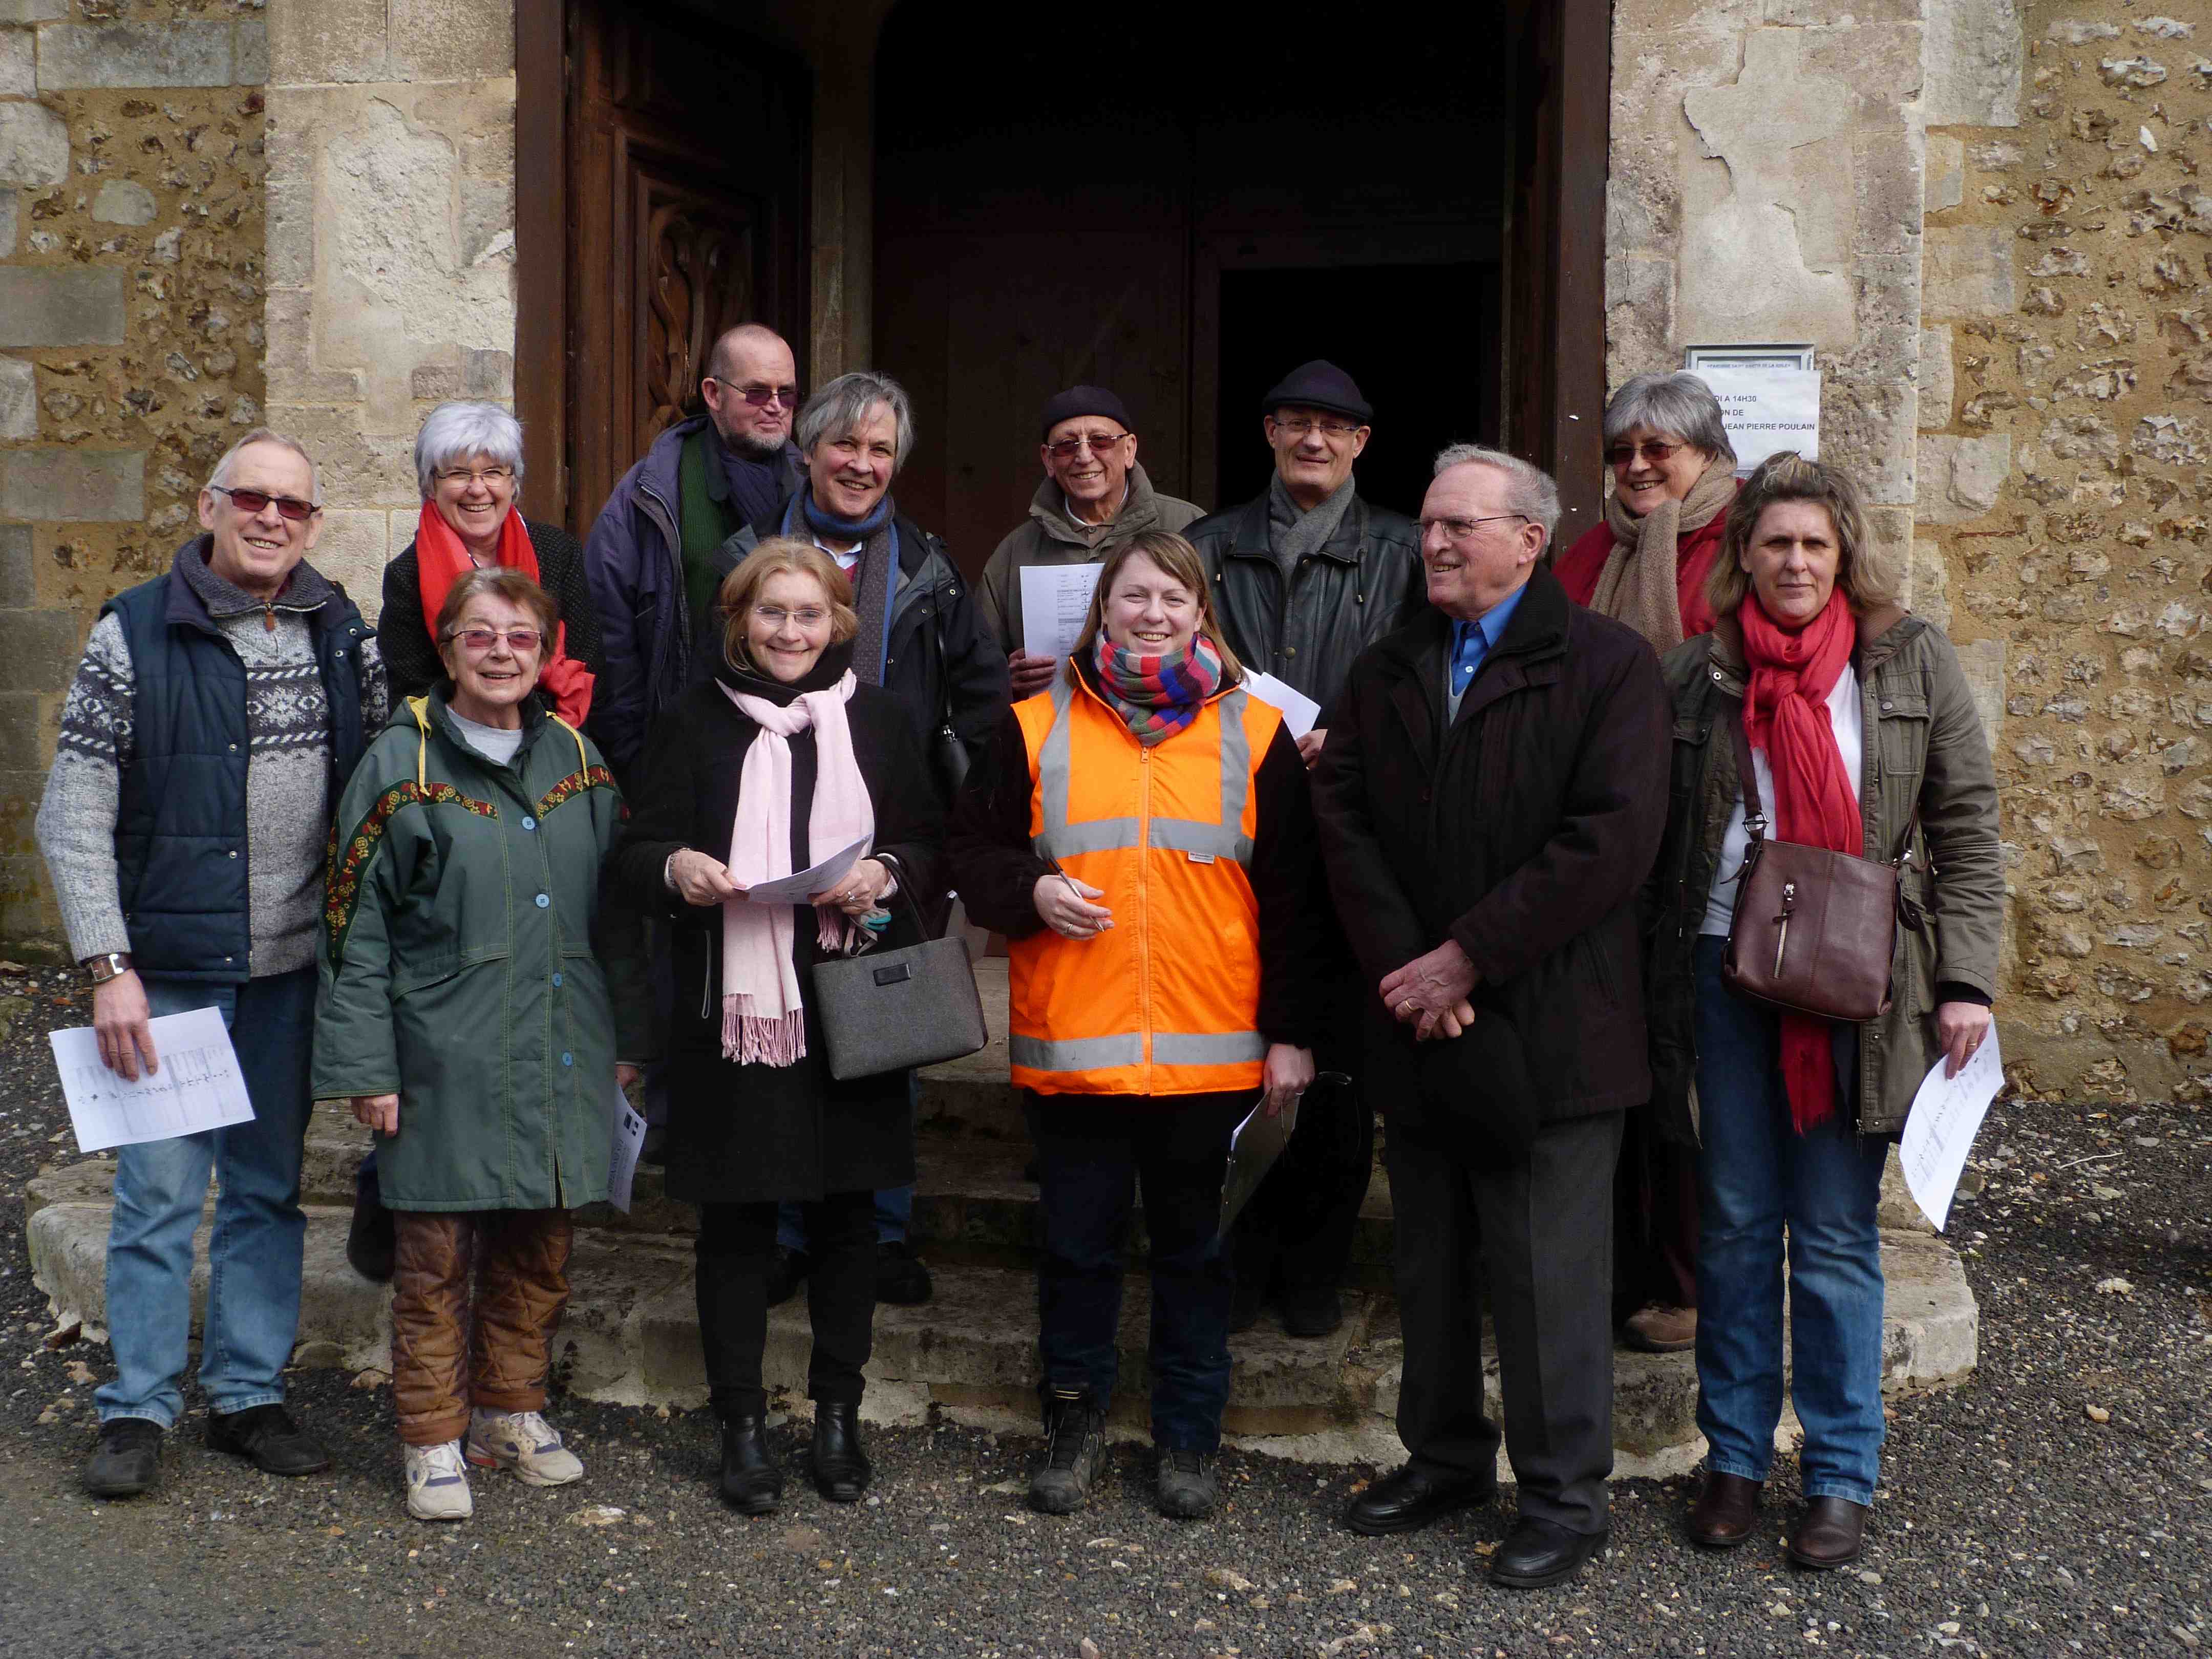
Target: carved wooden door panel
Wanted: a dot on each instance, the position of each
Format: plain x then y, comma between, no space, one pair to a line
687,151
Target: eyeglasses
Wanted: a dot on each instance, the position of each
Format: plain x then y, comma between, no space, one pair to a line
760,397
1299,425
520,640
254,502
493,476
1460,529
1099,442
811,615
1651,449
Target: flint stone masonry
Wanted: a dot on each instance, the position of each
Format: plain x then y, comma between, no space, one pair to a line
168,54
34,145
61,306
121,202
73,485
18,399
1961,478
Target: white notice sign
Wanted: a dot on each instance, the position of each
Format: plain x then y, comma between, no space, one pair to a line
196,1084
1055,598
1766,407
1940,1130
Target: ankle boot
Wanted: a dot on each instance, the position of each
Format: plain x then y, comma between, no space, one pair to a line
751,1482
842,1473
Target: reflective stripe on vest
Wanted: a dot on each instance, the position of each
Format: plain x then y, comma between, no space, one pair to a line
1224,838
1168,1048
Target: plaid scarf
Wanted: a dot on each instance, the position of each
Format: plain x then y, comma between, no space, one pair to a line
1157,696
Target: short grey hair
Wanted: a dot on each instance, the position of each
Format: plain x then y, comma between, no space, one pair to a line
838,407
1680,403
461,432
1529,491
265,435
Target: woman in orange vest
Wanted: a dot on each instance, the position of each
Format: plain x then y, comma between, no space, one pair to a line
1142,833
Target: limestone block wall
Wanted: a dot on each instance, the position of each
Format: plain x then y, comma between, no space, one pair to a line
131,339
2064,504
391,246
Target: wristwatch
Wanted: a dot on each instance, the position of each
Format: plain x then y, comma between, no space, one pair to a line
105,968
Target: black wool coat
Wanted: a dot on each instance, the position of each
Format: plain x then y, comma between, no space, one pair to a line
1523,830
743,1133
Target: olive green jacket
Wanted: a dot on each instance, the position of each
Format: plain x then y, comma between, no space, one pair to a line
1923,744
457,968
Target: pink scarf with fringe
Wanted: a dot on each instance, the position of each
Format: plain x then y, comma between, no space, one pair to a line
763,1015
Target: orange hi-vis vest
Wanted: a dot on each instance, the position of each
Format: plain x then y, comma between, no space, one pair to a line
1166,1001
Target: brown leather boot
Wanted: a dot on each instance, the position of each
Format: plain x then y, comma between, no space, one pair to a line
1725,1512
1831,1534
1662,1327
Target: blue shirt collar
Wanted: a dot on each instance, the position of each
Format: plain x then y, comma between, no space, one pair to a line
1472,641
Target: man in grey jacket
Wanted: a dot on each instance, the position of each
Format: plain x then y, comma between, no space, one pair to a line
1095,497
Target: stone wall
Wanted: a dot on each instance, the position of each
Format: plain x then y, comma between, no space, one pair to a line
130,332
2067,418
391,246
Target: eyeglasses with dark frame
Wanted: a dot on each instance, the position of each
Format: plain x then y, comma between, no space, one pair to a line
1098,443
1652,449
1460,529
760,397
520,640
253,501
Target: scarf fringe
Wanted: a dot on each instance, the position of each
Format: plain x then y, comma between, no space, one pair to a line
753,1039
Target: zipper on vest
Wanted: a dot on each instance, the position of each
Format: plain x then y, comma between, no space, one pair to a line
1145,906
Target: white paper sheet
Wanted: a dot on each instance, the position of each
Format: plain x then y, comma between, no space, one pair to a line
1939,1131
801,886
197,1084
1055,598
628,1141
1299,710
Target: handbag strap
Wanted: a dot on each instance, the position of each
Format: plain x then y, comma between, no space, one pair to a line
897,866
1755,814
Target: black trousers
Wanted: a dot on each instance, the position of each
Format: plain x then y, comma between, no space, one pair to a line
1539,1234
1298,1229
735,1243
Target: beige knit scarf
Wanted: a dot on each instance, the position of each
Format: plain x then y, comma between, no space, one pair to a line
1639,585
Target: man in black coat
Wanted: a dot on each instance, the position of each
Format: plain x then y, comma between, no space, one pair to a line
1490,798
1306,577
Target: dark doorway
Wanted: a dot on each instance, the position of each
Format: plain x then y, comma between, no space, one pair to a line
1359,318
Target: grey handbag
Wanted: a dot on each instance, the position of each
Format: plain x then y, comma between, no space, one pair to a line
891,1010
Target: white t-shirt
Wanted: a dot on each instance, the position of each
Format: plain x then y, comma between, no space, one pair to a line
1848,721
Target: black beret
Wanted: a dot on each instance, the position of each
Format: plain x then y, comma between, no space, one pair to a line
1083,400
1320,384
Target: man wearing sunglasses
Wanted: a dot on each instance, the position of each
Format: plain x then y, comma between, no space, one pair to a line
650,557
217,712
1094,497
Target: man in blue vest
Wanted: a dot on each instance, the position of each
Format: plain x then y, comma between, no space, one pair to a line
217,712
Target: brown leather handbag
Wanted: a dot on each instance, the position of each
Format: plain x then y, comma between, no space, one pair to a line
1814,929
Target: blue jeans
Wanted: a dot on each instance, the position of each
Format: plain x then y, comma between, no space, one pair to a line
1756,1177
1091,1151
253,1253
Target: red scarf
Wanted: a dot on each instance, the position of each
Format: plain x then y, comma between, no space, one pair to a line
1785,712
440,560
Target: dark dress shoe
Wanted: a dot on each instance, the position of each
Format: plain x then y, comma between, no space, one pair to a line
1411,1498
1311,1310
785,1269
841,1472
267,1437
372,1241
1540,1552
901,1279
752,1483
1725,1512
1832,1533
128,1459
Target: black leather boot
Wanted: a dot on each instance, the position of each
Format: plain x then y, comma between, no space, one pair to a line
841,1472
752,1483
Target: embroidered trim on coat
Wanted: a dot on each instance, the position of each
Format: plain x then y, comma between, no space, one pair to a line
342,886
575,784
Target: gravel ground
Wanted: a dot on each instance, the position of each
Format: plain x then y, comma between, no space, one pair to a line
2058,1504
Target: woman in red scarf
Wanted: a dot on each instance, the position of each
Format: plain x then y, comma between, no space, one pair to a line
1858,716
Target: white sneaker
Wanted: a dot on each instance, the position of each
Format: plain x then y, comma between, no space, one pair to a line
523,1442
438,1483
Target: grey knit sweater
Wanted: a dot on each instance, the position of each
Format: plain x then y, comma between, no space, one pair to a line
288,804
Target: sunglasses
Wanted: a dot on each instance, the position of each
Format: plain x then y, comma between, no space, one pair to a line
520,640
760,397
1068,449
256,500
1654,453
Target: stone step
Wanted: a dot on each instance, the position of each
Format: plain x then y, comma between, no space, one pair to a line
630,1336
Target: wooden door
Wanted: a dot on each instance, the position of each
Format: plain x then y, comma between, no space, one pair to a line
680,212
